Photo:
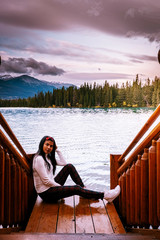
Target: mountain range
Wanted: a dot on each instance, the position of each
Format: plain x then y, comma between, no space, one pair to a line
25,86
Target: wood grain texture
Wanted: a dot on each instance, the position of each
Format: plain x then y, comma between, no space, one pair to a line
66,216
35,217
100,218
114,219
2,180
48,220
74,215
83,217
158,178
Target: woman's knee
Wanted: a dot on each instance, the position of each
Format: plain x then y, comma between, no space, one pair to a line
70,166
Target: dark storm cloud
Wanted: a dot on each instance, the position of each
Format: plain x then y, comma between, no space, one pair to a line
21,65
129,18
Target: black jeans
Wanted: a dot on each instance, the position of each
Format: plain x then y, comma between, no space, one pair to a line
53,194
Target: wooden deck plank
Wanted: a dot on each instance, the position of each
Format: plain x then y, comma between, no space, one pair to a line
74,215
66,221
100,218
83,218
114,219
48,220
35,217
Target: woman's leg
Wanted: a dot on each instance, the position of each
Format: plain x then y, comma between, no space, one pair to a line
67,170
53,194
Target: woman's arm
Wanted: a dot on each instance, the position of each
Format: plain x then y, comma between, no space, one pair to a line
61,161
40,168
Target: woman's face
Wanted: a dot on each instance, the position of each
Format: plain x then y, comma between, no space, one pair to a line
48,146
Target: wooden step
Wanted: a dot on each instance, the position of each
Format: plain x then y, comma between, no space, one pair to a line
44,236
74,215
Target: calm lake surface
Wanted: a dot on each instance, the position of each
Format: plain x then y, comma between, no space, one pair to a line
86,137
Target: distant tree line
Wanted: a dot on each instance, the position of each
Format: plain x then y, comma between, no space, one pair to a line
87,96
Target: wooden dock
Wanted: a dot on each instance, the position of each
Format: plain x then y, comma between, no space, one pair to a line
74,215
75,218
79,218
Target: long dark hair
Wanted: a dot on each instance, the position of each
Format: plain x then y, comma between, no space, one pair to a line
51,156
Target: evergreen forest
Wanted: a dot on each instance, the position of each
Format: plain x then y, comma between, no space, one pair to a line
90,96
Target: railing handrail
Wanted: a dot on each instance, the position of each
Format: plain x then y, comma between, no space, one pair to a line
140,134
10,133
145,143
11,148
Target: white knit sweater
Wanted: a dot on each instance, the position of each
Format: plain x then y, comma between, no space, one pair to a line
42,176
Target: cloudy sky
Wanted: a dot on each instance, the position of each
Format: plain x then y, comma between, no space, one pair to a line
79,41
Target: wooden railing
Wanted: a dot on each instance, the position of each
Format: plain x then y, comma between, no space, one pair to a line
140,134
17,194
139,178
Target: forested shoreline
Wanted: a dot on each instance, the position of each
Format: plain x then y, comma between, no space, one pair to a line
87,96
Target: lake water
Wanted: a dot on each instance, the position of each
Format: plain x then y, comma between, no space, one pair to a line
86,137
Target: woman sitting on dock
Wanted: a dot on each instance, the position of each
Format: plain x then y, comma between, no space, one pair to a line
51,188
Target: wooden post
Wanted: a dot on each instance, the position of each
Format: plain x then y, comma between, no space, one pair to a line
7,203
32,194
137,190
26,195
2,181
158,179
19,197
114,165
14,190
22,195
128,197
123,194
152,186
132,194
144,189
